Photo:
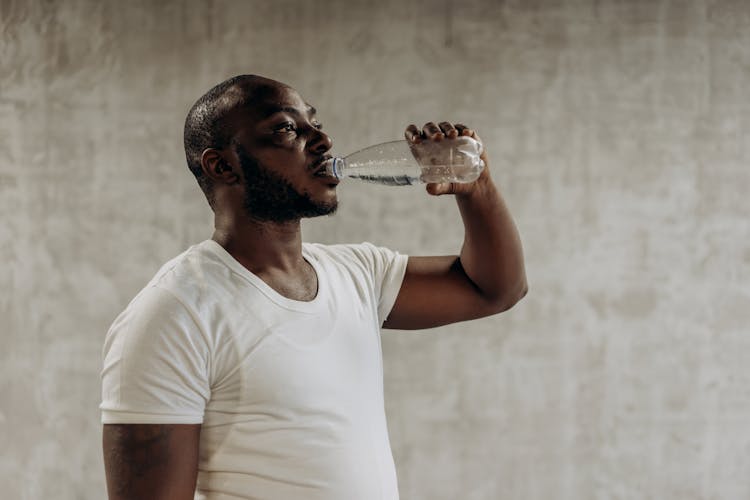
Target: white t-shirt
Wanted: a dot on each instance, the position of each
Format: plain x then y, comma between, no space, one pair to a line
289,393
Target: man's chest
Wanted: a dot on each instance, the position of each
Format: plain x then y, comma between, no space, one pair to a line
298,362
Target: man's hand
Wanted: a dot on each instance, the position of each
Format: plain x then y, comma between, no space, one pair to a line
437,133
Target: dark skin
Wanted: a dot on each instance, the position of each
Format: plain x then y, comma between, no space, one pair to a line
151,461
160,462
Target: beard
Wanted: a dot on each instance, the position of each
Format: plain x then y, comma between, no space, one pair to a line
271,198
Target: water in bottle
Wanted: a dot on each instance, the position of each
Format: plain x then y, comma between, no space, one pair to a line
400,163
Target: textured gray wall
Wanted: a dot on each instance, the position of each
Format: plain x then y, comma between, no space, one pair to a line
617,130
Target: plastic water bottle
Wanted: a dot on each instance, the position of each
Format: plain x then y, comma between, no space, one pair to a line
400,163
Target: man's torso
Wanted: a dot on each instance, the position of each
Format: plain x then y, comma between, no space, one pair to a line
292,391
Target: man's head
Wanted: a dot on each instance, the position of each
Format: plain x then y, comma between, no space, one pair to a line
254,144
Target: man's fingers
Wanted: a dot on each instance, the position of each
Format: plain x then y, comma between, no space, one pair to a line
464,130
448,129
413,134
432,131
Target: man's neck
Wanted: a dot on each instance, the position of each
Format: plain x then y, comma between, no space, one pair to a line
261,246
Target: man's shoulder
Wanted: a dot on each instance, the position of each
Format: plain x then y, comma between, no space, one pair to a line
345,252
183,276
197,261
363,256
178,287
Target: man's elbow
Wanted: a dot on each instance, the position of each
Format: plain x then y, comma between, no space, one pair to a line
510,297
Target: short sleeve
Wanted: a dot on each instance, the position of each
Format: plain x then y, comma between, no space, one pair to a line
388,268
156,364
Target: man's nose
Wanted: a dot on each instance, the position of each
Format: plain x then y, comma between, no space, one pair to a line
320,142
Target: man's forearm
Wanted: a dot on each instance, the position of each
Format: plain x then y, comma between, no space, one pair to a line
492,255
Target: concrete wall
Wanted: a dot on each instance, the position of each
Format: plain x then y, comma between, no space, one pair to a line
618,131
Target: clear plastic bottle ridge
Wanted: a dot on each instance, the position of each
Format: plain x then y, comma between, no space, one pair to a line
399,163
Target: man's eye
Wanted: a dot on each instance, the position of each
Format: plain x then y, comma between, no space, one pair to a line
318,125
286,127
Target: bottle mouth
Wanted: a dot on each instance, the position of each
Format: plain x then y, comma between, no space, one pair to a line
331,168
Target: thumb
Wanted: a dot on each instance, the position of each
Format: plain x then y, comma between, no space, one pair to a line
437,189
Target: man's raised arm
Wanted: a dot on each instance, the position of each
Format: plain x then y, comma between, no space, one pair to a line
489,275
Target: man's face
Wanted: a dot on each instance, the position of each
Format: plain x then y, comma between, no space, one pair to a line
279,147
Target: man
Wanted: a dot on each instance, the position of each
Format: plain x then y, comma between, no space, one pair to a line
250,366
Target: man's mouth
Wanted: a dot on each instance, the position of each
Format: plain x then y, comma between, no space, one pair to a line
318,167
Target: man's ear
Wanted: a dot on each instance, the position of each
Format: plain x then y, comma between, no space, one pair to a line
217,168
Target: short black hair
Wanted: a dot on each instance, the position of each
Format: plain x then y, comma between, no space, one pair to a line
206,124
